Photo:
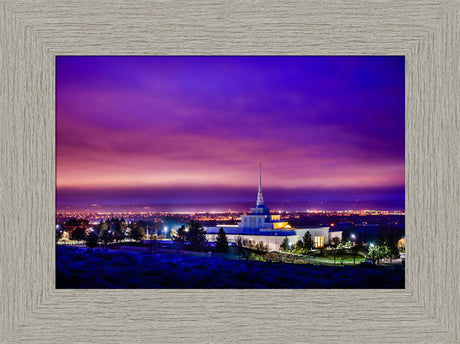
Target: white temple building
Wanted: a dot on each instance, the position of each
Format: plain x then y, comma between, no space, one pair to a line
260,225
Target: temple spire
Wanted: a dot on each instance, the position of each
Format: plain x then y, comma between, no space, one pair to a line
260,198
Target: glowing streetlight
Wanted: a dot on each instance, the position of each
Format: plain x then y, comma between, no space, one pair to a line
353,236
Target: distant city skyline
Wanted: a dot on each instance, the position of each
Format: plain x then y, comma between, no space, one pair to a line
192,130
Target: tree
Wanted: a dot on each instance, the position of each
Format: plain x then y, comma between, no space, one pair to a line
384,251
285,245
241,246
78,234
58,234
103,225
221,241
137,232
373,253
92,239
118,230
105,233
196,235
298,247
180,236
107,236
72,222
377,252
335,241
393,250
261,248
307,242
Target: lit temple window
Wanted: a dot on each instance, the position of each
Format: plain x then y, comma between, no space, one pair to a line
318,241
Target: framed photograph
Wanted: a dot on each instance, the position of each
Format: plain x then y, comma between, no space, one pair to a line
52,87
156,161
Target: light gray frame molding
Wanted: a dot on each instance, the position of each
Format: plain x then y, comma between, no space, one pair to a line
32,33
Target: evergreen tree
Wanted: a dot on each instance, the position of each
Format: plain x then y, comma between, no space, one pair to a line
180,236
78,234
196,235
137,232
118,230
105,233
285,245
107,236
307,242
298,246
92,239
221,241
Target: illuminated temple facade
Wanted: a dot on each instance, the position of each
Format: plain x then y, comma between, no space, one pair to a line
260,225
260,217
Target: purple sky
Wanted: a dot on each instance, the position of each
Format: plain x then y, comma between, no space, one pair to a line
193,129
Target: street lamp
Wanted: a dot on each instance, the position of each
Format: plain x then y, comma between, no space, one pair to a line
166,230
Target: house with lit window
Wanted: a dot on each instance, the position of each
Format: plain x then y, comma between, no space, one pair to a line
260,225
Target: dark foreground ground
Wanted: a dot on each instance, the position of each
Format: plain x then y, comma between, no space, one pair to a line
86,268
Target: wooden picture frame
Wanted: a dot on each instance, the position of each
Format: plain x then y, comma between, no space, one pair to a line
34,32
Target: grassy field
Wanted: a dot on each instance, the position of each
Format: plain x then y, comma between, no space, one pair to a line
100,268
330,260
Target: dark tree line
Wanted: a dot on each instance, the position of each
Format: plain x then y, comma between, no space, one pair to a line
301,246
193,236
106,232
249,249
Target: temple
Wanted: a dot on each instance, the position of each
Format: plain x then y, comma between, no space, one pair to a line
260,218
260,225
